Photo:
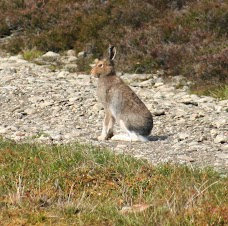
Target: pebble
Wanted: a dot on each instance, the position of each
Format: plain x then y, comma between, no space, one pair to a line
40,105
70,52
220,122
158,84
186,158
121,147
3,130
189,102
158,112
147,83
182,136
220,139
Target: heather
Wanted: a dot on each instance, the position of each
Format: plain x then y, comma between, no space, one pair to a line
182,37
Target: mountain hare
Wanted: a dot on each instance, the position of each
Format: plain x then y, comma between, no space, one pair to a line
120,104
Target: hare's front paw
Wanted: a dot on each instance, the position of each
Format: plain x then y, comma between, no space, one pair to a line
102,137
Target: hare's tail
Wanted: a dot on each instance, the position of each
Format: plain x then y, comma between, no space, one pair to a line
131,136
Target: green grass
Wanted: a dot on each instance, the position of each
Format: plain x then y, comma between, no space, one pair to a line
30,55
219,92
85,185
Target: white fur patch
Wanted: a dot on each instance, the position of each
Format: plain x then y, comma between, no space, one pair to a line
121,137
131,137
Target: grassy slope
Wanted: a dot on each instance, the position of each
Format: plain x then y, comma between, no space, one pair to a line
84,185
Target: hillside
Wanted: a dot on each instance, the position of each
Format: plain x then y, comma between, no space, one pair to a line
182,37
57,107
62,182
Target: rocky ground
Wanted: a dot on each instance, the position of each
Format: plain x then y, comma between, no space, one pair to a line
39,104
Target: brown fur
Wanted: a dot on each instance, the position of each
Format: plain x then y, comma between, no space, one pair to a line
121,105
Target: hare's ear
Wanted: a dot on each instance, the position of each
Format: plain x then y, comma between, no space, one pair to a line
112,52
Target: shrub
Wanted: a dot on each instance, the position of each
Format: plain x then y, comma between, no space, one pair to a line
185,37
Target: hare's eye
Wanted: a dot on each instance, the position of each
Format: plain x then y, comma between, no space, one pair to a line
100,65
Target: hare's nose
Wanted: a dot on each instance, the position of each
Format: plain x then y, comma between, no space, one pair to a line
93,73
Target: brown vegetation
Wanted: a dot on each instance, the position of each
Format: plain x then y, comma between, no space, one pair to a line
185,37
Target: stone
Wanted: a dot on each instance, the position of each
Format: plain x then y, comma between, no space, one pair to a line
62,74
158,112
139,156
20,134
179,81
46,104
146,83
97,107
220,122
186,158
15,58
72,59
57,137
223,103
29,111
71,67
44,139
21,61
121,146
224,147
207,99
214,133
70,52
189,102
182,136
50,56
158,84
74,99
3,130
158,79
159,95
220,139
83,79
81,54
223,155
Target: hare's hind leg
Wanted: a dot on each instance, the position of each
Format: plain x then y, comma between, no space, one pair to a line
107,130
129,136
